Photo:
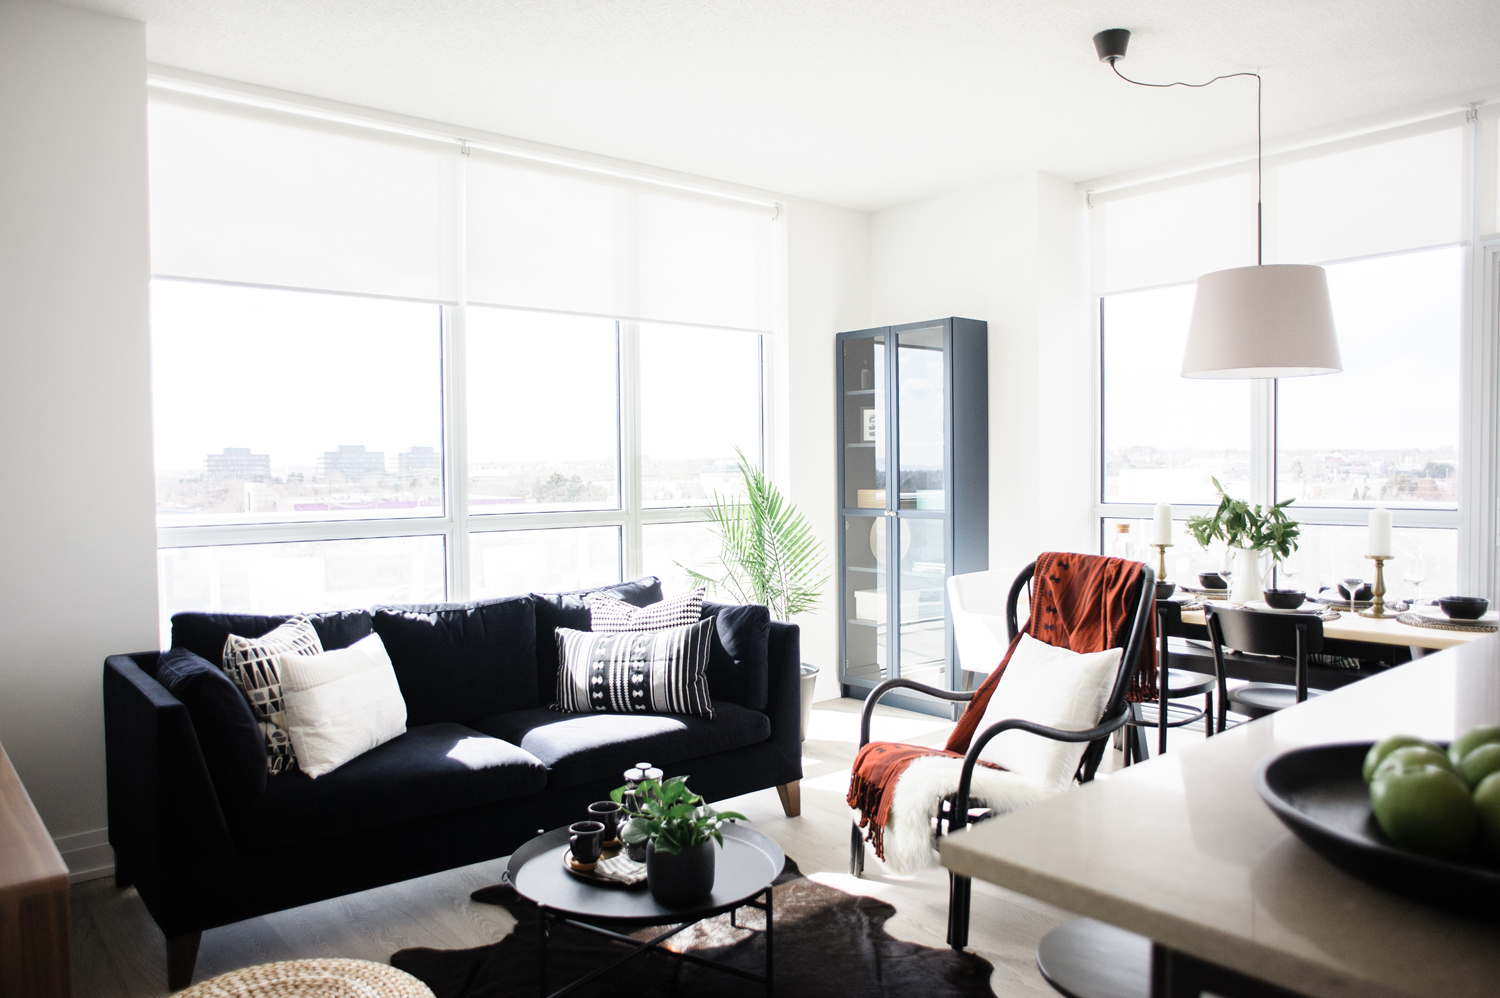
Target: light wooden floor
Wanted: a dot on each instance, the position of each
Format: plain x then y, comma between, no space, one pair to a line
118,951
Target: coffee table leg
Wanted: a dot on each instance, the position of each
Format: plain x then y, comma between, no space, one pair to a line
770,905
541,951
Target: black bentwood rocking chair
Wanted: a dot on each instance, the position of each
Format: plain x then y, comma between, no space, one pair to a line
954,818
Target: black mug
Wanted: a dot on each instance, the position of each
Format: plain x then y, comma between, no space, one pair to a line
607,813
586,840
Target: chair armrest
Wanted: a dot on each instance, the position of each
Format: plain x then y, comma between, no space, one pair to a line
982,738
900,684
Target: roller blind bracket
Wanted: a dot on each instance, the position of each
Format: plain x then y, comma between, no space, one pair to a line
1471,114
463,147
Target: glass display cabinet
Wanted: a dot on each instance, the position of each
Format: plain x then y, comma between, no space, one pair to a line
914,495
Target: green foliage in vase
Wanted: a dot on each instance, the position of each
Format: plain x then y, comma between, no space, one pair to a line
768,549
1239,524
672,816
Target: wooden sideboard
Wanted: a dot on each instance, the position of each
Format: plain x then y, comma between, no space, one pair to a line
33,899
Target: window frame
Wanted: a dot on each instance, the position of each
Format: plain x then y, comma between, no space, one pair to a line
458,524
1475,515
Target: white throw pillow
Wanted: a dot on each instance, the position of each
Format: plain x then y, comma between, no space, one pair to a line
1052,686
341,704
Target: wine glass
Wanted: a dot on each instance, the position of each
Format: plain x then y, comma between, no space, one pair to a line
1352,583
1414,573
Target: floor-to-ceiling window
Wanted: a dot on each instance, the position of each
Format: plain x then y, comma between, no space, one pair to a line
389,365
1393,217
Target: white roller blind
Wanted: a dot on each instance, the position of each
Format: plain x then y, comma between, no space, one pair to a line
1178,234
263,200
1392,196
704,263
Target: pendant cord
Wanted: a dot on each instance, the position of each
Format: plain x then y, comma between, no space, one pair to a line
1114,65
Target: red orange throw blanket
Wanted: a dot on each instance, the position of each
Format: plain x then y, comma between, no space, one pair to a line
1078,601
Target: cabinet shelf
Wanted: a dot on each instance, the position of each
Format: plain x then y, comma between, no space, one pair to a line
860,391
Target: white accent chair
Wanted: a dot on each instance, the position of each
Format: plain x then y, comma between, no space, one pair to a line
977,602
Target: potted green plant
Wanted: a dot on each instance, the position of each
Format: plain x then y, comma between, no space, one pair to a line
770,556
1251,533
680,830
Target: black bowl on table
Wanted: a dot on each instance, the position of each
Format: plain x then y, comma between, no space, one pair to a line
1319,794
1212,580
1284,599
1364,594
1165,589
1464,607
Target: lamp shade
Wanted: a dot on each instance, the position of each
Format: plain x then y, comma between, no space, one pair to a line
1274,321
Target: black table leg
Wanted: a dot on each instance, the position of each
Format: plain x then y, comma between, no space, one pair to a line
770,905
541,952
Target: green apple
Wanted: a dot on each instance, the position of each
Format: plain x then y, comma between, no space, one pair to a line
1385,747
1424,807
1415,755
1471,740
1487,803
1480,763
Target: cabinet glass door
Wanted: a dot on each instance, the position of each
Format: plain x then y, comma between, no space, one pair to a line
864,417
919,415
924,630
866,624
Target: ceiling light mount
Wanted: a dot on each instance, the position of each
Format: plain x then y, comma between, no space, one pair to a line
1111,44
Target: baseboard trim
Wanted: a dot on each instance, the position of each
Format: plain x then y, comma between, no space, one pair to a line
87,854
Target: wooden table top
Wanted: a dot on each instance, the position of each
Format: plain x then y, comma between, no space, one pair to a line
29,862
1353,627
1183,850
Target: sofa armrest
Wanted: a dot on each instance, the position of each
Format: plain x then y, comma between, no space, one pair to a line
165,823
784,698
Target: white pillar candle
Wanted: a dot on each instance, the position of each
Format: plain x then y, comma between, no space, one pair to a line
1379,545
1161,525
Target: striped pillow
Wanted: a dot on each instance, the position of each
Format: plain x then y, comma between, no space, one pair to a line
609,614
252,664
635,672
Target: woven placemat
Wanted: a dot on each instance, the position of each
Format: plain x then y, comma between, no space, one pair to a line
312,979
1417,620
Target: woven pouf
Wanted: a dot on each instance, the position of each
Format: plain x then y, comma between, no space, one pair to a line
312,979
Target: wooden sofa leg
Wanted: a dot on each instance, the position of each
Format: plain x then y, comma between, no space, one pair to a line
182,956
791,798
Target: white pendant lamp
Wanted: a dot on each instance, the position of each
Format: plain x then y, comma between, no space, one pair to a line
1265,321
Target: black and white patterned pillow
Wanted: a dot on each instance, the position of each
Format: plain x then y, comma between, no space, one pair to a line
252,664
635,672
609,614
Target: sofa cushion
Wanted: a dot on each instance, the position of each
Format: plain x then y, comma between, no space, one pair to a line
459,661
554,610
585,748
635,672
739,659
233,748
609,614
432,769
205,633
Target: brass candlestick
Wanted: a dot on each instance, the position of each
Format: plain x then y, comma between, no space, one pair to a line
1161,561
1377,606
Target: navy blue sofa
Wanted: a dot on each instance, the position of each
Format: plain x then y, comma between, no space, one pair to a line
477,679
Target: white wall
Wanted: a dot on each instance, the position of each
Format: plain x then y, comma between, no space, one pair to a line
828,291
1011,253
78,576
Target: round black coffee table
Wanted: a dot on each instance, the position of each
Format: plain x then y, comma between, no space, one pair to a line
743,873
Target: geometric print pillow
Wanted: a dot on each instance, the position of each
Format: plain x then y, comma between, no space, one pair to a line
251,663
635,672
609,614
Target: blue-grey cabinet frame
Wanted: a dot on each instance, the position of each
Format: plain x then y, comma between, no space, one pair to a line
966,485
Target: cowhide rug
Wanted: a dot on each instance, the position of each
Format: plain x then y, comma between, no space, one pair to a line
827,943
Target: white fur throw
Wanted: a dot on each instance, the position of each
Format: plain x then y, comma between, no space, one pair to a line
919,793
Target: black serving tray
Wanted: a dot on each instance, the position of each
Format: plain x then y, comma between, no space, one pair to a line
1319,794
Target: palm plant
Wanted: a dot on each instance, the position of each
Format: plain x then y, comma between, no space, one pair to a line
768,549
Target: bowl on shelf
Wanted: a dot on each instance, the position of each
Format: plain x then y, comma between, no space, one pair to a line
1284,599
1464,607
1212,580
1165,589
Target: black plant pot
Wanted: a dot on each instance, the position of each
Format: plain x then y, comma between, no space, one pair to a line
682,879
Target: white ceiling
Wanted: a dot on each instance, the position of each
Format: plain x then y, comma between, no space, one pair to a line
864,103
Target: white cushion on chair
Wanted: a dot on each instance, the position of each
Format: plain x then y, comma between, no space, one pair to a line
1051,686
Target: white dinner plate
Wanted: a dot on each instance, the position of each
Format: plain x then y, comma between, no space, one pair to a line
1435,613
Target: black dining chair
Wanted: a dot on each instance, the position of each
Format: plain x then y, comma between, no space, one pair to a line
1292,636
1172,684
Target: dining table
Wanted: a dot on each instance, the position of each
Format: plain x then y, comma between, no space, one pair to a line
1351,626
1182,852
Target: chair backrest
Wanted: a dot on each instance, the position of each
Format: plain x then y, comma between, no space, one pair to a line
1131,639
1261,632
977,603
